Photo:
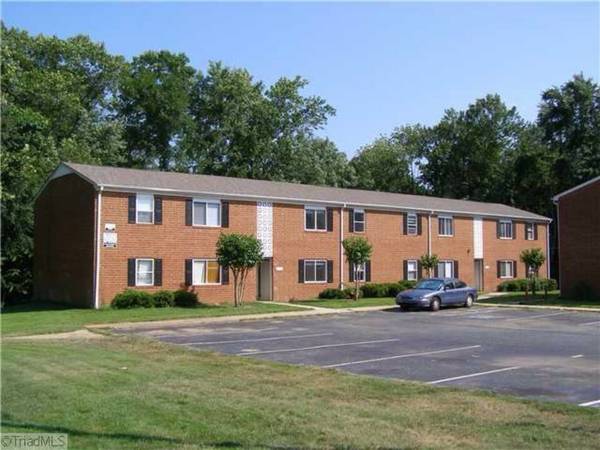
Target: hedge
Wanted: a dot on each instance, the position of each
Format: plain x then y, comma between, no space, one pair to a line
132,299
520,284
161,299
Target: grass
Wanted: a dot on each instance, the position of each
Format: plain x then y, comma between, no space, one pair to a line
554,299
38,318
348,303
133,393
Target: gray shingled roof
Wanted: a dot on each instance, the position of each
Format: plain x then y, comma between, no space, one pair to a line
115,177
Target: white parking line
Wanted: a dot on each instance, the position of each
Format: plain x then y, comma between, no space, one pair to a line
211,333
577,356
274,338
596,322
474,375
406,355
592,403
539,316
285,350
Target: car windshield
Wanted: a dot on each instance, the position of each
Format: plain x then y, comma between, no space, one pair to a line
430,285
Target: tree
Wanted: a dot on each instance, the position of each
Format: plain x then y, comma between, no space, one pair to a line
154,105
429,262
533,259
569,117
358,251
240,253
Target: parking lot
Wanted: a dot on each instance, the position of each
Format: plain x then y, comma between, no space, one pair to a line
552,355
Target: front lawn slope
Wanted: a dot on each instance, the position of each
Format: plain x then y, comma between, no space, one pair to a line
132,393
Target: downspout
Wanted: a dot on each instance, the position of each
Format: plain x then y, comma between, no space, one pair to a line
97,250
429,233
342,209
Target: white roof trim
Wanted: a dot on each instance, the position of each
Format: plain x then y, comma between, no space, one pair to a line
576,188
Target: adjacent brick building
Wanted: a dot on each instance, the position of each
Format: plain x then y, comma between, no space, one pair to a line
100,230
578,221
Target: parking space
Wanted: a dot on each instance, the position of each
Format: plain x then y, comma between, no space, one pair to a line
552,355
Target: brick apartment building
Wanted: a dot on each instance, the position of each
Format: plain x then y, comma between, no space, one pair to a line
100,230
578,221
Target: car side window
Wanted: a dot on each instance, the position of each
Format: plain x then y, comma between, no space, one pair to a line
449,286
460,284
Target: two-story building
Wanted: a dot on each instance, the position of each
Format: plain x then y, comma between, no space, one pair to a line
100,230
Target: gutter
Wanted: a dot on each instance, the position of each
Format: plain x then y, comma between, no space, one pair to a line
97,249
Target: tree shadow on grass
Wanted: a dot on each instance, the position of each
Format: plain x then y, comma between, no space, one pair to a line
20,306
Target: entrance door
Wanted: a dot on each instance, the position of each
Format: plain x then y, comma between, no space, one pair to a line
264,280
478,271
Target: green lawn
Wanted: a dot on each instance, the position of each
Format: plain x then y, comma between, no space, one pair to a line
37,318
346,303
122,393
554,299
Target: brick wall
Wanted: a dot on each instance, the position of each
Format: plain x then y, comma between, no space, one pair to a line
64,232
579,239
172,241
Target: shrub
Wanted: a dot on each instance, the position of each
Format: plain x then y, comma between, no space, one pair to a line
185,298
349,292
521,284
163,299
132,299
332,293
372,290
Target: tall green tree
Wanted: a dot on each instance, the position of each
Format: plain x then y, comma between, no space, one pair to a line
154,104
569,117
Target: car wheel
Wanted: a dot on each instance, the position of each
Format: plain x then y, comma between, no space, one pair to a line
403,308
435,304
469,301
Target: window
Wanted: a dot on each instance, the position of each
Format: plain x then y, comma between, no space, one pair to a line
206,213
315,271
445,269
144,207
505,229
506,269
445,226
411,224
530,231
205,271
531,271
460,285
411,270
359,220
315,219
359,272
144,272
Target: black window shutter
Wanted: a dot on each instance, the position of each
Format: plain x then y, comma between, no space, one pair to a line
368,271
420,270
405,269
351,220
329,271
535,232
131,209
225,214
455,269
497,269
188,272
157,210
404,224
300,271
188,211
350,272
329,219
419,224
439,226
514,227
131,272
514,269
498,229
435,271
158,272
224,275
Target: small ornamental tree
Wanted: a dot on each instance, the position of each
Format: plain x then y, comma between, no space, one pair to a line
429,262
240,253
533,259
358,251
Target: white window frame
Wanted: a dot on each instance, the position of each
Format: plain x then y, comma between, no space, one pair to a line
507,263
512,231
316,209
529,226
137,209
205,261
206,203
354,221
415,231
445,262
451,219
137,261
361,269
315,261
409,271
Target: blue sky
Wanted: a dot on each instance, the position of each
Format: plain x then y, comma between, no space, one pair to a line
380,65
